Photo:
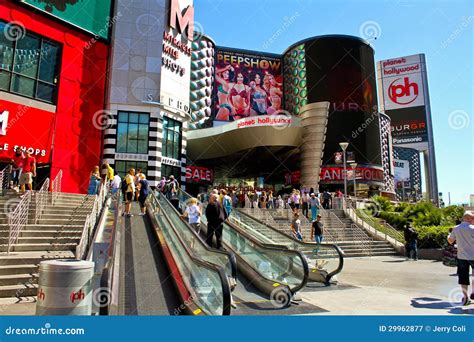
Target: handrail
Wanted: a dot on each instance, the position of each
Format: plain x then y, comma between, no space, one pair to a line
303,244
89,224
203,263
230,255
17,219
56,186
5,178
263,246
41,199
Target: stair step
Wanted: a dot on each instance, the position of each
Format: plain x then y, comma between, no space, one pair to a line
40,247
33,257
18,269
60,239
17,279
22,290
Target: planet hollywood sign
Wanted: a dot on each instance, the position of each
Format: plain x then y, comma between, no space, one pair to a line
336,174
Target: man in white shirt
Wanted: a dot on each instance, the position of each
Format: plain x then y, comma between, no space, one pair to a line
463,236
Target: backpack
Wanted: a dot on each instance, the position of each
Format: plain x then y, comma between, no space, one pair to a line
124,185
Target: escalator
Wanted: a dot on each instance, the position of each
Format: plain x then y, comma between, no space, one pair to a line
158,274
325,260
265,270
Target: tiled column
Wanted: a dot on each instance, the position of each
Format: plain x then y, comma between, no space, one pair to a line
314,118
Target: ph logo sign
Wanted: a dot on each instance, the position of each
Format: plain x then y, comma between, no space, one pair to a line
403,91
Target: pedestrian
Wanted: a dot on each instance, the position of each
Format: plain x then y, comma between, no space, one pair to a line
215,215
137,178
339,199
296,226
270,200
115,184
280,202
463,236
172,192
94,181
317,230
411,238
263,201
161,184
128,187
143,191
28,172
193,214
296,200
326,199
305,203
17,166
314,204
226,202
254,198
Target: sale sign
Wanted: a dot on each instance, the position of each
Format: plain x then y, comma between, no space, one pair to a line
196,174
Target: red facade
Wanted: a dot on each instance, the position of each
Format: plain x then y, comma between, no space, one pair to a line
69,136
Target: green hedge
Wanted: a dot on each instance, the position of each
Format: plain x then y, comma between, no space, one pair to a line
432,236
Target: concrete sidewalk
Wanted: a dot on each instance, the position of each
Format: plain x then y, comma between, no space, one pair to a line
391,286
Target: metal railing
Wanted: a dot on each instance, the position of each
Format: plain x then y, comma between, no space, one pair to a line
56,186
5,178
17,219
89,224
41,199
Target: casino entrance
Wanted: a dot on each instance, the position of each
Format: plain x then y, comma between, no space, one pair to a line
259,168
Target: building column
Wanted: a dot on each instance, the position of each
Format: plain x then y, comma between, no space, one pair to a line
314,119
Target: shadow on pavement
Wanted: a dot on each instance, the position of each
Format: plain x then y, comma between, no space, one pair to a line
436,303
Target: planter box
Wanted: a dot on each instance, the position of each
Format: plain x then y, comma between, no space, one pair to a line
430,253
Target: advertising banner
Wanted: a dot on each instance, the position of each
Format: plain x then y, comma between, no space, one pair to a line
246,84
402,171
402,84
197,174
335,175
90,15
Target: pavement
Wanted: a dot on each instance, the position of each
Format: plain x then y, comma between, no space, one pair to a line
390,286
367,286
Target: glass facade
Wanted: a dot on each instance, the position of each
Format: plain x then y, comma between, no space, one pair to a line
122,167
171,138
29,64
168,170
132,132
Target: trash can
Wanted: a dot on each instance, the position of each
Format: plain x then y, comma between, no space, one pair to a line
65,287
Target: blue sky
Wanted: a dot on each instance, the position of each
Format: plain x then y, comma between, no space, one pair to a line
443,30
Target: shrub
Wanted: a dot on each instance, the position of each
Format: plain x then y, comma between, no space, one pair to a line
432,236
394,219
451,214
382,203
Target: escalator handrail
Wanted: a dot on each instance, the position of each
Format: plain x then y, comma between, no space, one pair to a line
226,292
230,255
307,244
281,249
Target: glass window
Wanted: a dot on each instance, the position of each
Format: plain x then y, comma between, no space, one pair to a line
49,62
168,170
122,167
132,134
23,85
4,80
171,138
29,64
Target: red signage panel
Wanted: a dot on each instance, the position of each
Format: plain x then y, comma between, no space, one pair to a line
197,174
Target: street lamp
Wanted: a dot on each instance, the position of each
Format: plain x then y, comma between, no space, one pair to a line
354,165
344,147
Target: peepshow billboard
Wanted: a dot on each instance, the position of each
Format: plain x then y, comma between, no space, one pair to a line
247,83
